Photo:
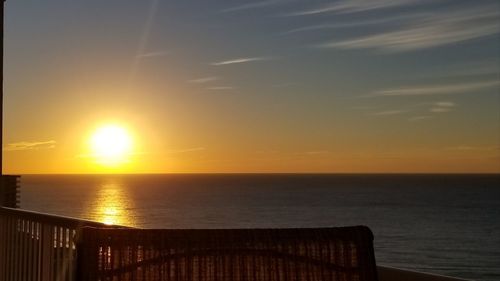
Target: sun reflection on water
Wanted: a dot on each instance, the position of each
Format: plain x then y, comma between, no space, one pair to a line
112,205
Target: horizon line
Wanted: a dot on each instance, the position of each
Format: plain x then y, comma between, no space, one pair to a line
259,173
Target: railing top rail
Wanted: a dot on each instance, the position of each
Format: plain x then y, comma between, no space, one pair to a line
53,219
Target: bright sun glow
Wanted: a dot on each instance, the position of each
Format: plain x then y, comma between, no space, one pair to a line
111,145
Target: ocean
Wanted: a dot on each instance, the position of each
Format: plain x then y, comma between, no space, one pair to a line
445,224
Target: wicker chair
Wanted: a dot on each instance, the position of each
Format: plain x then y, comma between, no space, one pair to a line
309,254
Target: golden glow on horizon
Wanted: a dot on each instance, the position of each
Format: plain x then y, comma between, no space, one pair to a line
111,145
187,146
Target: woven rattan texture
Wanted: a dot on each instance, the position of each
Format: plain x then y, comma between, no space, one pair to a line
309,254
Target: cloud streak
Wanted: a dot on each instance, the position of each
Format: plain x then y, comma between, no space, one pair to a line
204,80
153,54
445,104
252,5
419,118
389,112
447,89
30,145
442,107
240,60
352,6
429,31
353,24
143,42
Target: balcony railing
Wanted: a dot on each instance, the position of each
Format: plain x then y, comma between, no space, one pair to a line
37,246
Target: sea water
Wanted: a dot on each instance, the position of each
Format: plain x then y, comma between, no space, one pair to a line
445,224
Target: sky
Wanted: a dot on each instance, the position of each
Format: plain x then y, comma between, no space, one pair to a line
278,86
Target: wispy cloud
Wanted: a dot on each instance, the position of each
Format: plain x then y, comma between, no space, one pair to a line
221,88
30,145
144,40
445,104
389,112
204,80
351,6
442,107
445,89
240,60
252,5
388,19
153,54
438,29
419,118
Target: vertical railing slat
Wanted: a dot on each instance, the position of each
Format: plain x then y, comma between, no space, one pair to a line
40,252
65,249
6,248
34,258
10,249
20,251
3,252
45,247
26,251
72,251
2,249
56,263
23,250
54,249
21,255
29,252
17,249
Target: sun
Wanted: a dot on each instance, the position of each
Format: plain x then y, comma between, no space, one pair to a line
111,145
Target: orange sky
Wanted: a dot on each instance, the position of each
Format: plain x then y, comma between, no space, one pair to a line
210,88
